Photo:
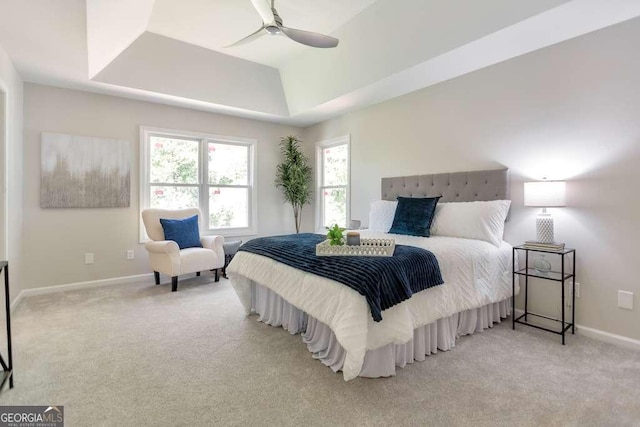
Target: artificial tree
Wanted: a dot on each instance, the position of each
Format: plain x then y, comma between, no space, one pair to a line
294,177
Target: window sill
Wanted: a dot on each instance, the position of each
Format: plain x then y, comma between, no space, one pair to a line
231,232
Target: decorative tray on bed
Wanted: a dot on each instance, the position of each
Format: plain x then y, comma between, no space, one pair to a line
367,247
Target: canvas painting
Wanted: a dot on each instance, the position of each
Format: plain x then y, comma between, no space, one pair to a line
84,172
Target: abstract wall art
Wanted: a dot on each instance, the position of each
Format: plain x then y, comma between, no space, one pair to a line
84,172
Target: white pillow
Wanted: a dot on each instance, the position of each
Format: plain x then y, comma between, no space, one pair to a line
471,220
381,215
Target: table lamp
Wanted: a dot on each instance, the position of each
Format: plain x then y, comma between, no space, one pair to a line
545,194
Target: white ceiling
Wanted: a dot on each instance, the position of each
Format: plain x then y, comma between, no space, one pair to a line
171,51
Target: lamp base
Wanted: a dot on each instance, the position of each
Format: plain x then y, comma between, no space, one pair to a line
544,228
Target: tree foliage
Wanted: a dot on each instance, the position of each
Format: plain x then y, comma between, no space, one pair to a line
176,161
294,176
335,174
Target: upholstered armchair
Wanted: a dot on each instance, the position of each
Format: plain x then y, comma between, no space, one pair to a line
166,257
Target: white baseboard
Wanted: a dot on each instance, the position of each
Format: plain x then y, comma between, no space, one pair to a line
17,301
79,285
608,337
601,335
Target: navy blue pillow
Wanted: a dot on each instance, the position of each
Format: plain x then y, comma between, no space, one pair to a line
414,215
182,231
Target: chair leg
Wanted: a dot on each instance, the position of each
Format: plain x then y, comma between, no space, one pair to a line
174,283
156,275
217,273
198,273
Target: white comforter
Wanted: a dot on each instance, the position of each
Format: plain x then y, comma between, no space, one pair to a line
475,273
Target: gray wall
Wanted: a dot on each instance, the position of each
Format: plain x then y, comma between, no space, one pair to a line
3,166
570,111
56,239
11,177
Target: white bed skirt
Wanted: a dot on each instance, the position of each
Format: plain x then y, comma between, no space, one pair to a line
380,362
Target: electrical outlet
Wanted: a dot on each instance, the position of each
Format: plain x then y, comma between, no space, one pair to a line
625,300
130,254
577,290
88,258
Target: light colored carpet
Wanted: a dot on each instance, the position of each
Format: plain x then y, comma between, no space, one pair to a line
140,355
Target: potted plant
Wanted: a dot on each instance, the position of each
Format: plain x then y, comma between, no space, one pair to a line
335,235
293,177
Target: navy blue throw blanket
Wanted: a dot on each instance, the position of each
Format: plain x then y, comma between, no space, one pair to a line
384,281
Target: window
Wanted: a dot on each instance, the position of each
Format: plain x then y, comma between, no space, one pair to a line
214,173
333,182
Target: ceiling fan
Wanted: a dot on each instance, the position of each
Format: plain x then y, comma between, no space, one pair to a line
272,25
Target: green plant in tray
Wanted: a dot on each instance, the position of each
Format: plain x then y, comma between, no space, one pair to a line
335,235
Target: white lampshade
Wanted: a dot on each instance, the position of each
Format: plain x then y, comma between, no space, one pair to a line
545,194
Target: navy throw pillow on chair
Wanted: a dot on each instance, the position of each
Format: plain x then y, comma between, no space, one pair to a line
182,231
414,216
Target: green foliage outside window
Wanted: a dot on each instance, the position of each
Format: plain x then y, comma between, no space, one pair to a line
335,173
176,161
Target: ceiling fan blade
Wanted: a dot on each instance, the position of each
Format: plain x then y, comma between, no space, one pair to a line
249,38
264,9
309,38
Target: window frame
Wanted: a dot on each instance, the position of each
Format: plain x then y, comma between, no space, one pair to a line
203,185
320,187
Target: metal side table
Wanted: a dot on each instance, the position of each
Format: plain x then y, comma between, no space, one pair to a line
557,276
7,366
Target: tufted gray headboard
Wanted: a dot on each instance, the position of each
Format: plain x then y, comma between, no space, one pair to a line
453,187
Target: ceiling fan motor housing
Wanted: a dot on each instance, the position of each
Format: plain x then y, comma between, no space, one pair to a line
274,30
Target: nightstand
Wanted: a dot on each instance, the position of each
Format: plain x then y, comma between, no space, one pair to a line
556,276
230,249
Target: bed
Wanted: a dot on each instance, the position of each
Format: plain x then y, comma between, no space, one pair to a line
336,322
